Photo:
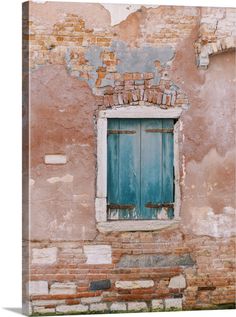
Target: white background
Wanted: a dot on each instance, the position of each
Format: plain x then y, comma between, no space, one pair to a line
10,155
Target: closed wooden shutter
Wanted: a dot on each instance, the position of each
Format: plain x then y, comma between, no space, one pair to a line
140,169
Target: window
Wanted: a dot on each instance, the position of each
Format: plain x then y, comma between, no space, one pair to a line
140,170
137,168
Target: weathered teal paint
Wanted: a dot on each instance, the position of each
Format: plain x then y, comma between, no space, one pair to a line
113,163
124,167
129,173
140,167
151,166
168,166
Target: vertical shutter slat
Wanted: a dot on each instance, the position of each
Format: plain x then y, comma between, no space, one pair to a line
129,172
168,166
151,167
113,164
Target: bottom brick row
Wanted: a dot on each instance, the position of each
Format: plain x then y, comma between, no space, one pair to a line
155,305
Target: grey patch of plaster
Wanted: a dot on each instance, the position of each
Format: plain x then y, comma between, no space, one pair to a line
92,79
93,56
108,80
130,60
140,59
150,260
156,79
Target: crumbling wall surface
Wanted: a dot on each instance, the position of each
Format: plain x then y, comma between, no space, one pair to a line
83,59
216,33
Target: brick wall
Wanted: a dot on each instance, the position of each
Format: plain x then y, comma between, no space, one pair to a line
80,64
159,270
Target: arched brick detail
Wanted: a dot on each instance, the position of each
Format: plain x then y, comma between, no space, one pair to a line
164,97
220,46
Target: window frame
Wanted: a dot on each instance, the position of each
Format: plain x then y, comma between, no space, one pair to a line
132,112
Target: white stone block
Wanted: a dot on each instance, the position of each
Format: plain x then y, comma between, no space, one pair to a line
45,256
101,158
37,288
72,308
55,159
137,306
98,307
43,310
63,288
100,207
46,302
157,304
173,303
134,284
177,282
118,307
98,254
91,300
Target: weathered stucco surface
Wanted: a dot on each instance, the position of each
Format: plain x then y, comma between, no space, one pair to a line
209,144
83,59
62,122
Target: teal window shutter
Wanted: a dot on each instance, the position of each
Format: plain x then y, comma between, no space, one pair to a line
140,176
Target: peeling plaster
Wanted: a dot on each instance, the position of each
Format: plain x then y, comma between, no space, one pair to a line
48,13
93,55
215,225
139,59
211,177
119,12
65,179
209,195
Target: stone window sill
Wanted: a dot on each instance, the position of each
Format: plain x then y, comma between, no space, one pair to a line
135,225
